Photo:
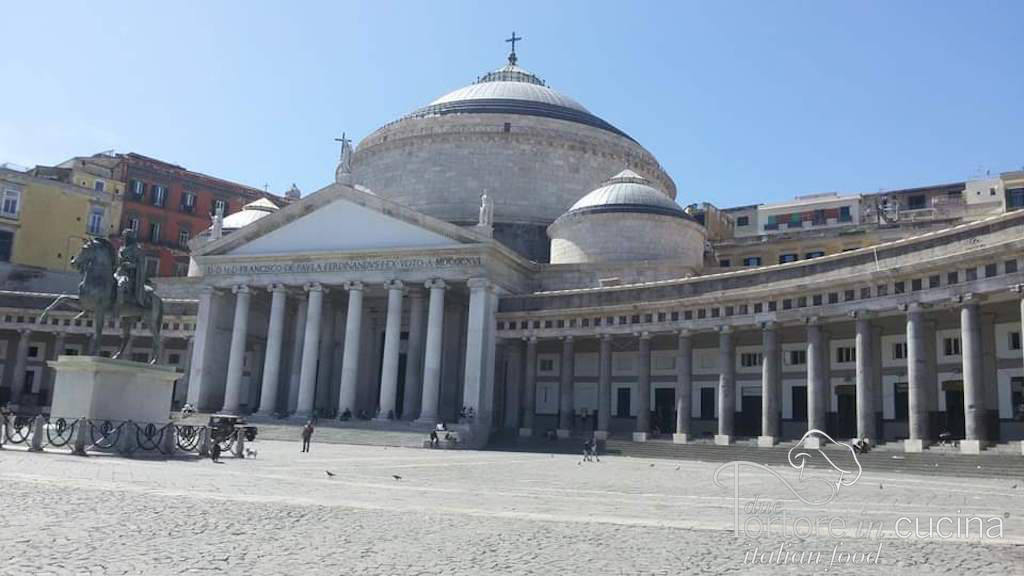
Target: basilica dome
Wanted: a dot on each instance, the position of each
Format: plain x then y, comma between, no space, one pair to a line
533,150
627,220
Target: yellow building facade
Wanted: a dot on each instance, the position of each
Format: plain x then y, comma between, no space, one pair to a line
46,214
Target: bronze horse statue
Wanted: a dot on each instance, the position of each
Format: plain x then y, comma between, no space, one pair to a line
98,293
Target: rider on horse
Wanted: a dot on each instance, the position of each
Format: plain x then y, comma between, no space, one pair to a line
130,285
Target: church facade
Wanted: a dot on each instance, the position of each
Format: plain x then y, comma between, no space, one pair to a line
505,259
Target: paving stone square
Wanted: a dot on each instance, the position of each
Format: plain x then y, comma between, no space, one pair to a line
414,511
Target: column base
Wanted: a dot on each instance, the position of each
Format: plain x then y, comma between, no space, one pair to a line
600,434
766,441
914,445
431,420
639,436
300,417
812,443
562,433
525,432
680,438
971,446
723,439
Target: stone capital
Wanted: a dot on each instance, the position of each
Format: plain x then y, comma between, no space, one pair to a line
314,287
478,283
912,307
435,284
644,335
862,314
394,285
769,325
812,321
277,288
967,299
725,329
24,332
240,289
684,334
1018,288
530,339
606,337
567,339
354,285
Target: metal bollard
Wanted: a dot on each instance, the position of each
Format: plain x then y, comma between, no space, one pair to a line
81,437
3,430
38,431
239,443
126,443
169,439
204,442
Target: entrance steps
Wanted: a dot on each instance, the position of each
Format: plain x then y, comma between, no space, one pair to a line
369,433
989,464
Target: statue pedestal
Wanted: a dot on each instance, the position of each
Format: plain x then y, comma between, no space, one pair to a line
103,389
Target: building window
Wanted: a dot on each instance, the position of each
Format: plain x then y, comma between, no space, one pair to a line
183,237
6,243
724,263
797,357
99,186
815,254
898,288
917,202
788,258
220,206
933,281
899,351
752,261
159,195
743,221
188,202
799,401
951,346
972,274
1017,397
846,355
1015,198
952,278
138,189
844,214
751,359
95,226
990,270
1014,340
547,365
154,232
12,203
1010,266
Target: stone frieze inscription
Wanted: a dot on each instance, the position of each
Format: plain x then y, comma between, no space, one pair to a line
327,266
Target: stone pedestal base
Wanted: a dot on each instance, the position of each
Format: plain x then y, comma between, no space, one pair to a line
563,433
680,438
914,445
639,436
971,446
766,441
117,390
600,434
525,432
723,439
812,443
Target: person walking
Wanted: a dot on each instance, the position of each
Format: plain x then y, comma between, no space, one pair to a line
307,434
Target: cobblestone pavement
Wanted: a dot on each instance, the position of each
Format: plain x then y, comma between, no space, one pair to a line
481,513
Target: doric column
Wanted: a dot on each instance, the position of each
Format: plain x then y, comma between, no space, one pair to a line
325,357
310,351
202,345
476,377
771,384
272,357
392,347
565,388
604,387
236,355
684,386
529,387
513,383
726,386
432,352
643,406
817,386
20,361
350,353
298,341
974,386
917,379
866,420
414,356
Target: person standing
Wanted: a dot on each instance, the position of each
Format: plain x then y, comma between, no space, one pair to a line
307,434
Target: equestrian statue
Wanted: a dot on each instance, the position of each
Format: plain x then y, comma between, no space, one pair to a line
115,287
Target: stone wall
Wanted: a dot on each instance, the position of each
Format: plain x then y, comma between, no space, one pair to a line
627,237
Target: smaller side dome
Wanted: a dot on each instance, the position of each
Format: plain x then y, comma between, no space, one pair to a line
628,191
627,220
249,213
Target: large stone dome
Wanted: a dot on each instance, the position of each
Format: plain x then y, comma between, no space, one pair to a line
533,150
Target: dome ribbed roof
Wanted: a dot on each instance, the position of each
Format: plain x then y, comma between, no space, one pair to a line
249,213
627,191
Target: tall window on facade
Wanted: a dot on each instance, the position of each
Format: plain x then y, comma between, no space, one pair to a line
99,186
138,189
159,195
1014,340
183,237
846,354
220,206
899,351
742,221
11,204
95,226
188,202
1017,397
951,346
154,232
751,359
799,401
181,268
752,261
797,357
1015,198
844,214
6,244
133,224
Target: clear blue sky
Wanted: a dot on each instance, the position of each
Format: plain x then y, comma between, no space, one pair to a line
742,102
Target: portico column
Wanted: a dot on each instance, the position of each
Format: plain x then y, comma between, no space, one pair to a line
726,386
236,355
432,352
392,343
684,387
865,379
771,385
20,361
199,370
565,389
414,357
974,386
298,340
310,351
604,387
476,342
917,379
272,358
816,382
643,406
530,387
350,353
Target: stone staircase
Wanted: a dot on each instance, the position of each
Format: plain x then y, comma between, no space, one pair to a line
369,433
1000,463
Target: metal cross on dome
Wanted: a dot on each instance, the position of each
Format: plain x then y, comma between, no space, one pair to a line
513,40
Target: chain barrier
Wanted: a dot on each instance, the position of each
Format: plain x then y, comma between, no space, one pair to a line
65,433
18,430
149,437
107,429
188,438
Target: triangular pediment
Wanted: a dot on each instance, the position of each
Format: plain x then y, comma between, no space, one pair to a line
340,219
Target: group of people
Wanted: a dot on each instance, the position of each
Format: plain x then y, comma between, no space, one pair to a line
435,439
590,451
